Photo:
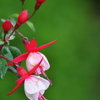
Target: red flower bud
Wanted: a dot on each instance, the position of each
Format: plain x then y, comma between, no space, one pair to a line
38,4
23,16
40,1
6,26
21,71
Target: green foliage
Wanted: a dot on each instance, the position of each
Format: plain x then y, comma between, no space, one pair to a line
31,25
15,51
1,42
6,52
3,67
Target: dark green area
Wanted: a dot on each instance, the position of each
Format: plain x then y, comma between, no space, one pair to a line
74,58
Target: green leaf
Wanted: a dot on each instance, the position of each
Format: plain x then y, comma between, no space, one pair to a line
6,52
3,20
14,15
12,37
12,20
30,24
15,51
13,70
3,67
1,42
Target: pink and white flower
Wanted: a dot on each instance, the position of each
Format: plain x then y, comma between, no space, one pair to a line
34,86
33,59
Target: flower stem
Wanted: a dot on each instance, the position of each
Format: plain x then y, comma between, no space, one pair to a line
10,34
16,64
32,14
20,34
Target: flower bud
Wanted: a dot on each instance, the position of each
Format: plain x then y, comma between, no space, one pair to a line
40,1
38,4
6,26
23,16
21,71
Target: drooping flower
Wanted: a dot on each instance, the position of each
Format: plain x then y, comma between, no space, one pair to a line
33,56
31,47
33,59
6,26
34,86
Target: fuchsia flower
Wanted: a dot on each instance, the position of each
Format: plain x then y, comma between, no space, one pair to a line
34,86
6,26
32,57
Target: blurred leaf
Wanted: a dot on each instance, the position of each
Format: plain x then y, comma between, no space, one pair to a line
12,37
12,20
1,42
13,70
30,24
15,51
14,15
6,52
3,20
3,67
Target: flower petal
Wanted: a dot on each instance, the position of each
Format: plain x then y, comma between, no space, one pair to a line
35,67
44,46
33,59
34,84
32,96
31,46
19,58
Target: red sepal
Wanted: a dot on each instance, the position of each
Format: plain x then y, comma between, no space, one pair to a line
19,58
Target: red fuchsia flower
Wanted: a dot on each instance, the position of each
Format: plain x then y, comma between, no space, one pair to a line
22,18
7,25
33,56
34,86
38,3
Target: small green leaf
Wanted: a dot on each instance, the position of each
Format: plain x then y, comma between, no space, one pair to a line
13,70
1,42
15,51
3,67
12,37
3,20
6,52
14,15
30,24
12,20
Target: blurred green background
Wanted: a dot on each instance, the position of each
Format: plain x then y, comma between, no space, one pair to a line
74,58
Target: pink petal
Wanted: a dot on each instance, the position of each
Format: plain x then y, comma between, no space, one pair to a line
33,69
34,58
31,46
19,58
44,46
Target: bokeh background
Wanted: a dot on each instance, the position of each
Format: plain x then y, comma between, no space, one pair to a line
74,58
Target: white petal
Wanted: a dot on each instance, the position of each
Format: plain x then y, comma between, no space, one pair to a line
34,84
34,58
32,96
